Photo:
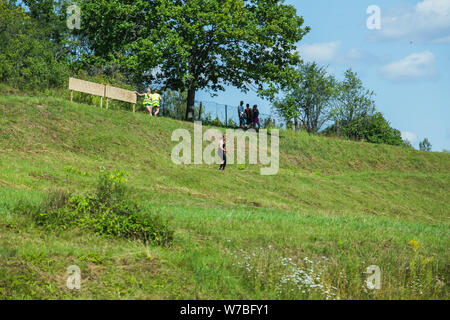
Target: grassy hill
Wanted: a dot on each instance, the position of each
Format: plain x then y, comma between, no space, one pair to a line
334,208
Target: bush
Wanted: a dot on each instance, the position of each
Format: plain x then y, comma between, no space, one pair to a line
106,212
374,129
232,124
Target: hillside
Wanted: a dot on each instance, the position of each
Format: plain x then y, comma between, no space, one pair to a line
340,204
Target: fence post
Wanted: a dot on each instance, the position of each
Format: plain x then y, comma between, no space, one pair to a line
71,95
101,102
226,116
200,111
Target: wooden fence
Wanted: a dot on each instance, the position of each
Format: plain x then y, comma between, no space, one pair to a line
103,91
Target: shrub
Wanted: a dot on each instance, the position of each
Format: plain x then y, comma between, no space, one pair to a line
232,124
111,186
374,129
105,212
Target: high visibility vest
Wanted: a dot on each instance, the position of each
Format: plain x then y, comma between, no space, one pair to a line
155,99
147,99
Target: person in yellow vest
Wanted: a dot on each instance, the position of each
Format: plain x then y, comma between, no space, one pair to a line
156,101
147,100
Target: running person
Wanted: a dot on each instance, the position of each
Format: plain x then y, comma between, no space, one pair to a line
222,153
147,100
156,101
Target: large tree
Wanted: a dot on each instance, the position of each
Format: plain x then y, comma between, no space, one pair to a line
189,45
119,36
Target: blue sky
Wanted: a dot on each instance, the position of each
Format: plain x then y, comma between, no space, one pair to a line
406,62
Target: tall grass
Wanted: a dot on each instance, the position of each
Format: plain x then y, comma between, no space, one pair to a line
335,208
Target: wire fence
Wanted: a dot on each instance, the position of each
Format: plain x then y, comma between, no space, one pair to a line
212,113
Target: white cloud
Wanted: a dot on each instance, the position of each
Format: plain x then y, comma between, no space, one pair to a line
410,136
428,21
415,66
331,52
442,40
357,55
319,52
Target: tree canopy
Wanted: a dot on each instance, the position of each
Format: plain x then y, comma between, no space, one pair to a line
425,145
354,101
309,100
30,57
189,45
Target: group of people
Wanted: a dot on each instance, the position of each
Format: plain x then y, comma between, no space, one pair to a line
248,117
152,101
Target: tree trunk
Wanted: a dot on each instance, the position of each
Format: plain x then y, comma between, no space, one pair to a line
200,112
296,123
190,104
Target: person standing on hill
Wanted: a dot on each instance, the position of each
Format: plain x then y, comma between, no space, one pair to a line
241,115
147,100
222,153
256,117
248,116
156,101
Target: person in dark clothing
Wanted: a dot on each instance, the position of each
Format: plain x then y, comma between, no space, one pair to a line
222,153
256,117
248,116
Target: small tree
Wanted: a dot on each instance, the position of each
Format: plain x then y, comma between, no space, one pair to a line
310,99
407,143
353,100
425,145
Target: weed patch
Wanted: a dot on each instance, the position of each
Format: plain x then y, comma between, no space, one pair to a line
105,212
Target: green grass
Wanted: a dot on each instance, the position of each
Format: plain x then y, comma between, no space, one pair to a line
342,205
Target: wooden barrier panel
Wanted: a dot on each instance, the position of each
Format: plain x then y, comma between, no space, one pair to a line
102,90
93,88
120,94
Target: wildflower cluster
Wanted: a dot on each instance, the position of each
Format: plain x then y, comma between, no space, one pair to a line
267,269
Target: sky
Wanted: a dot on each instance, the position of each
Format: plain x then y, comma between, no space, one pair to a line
404,57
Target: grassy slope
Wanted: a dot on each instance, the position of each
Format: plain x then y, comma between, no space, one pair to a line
355,204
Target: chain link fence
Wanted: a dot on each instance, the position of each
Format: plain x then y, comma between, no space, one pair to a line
174,106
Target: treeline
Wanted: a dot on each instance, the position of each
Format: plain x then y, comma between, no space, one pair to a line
34,48
182,48
172,44
315,101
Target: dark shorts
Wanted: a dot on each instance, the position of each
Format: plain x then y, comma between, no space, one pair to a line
222,155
